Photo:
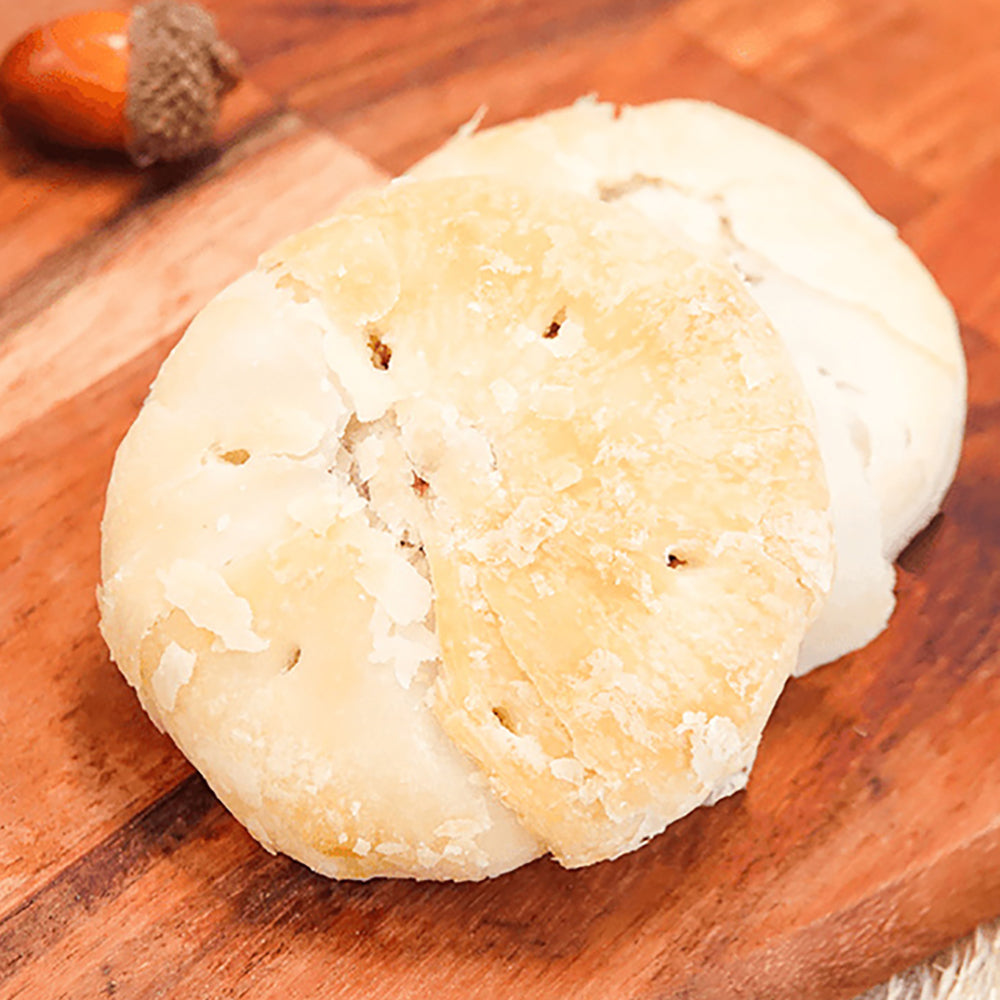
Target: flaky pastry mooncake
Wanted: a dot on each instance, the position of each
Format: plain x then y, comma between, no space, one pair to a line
475,523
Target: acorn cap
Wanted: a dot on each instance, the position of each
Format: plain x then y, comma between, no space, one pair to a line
179,69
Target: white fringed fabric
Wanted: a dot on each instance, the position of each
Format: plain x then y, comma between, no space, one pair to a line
968,970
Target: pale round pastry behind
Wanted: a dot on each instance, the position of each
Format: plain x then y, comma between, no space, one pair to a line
874,340
433,558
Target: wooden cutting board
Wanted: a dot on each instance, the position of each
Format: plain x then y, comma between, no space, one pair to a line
869,835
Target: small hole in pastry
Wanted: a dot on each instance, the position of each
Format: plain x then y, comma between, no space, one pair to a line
293,659
235,457
674,561
409,544
419,486
381,352
503,717
553,327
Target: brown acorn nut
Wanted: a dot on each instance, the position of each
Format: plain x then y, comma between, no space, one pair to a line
149,83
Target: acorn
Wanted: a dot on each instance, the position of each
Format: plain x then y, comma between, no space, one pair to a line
149,82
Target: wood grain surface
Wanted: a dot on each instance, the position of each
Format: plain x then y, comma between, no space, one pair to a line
869,835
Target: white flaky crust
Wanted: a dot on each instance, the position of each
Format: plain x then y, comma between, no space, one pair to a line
873,338
474,524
